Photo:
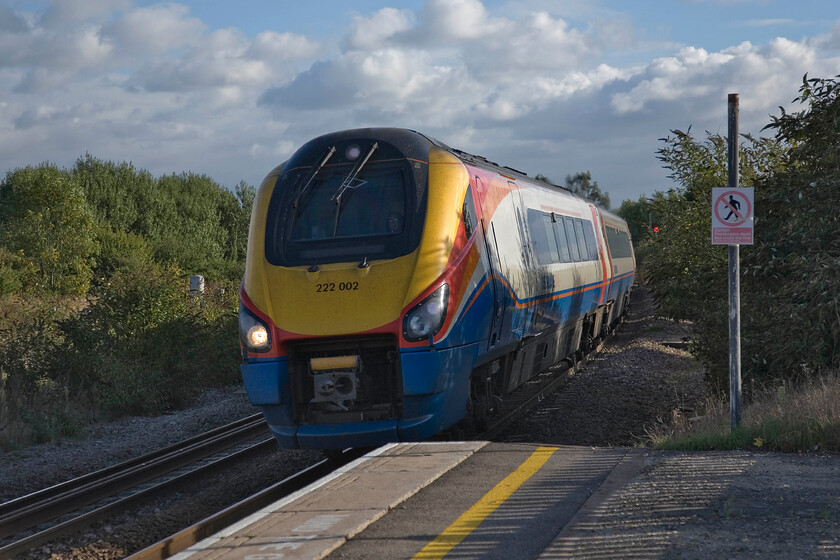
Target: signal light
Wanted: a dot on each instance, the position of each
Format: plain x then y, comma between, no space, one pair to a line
655,229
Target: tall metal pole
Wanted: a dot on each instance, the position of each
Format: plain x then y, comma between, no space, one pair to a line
734,280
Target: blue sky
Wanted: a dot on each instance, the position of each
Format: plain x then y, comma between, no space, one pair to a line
230,89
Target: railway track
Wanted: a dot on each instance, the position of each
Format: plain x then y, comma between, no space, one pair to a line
37,518
193,534
521,402
532,393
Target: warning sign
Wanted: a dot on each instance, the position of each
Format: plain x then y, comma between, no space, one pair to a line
732,216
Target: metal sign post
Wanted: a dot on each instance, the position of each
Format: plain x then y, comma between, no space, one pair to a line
734,279
732,225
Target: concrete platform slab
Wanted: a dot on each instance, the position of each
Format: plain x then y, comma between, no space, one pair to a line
500,501
318,519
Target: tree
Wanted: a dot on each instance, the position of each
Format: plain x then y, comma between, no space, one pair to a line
236,218
187,219
45,219
639,218
794,265
687,273
112,189
581,184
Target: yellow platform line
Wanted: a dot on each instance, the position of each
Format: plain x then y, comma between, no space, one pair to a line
472,518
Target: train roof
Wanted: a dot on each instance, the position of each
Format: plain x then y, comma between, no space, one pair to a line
482,161
409,142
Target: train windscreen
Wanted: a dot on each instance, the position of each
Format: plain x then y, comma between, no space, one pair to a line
356,200
374,204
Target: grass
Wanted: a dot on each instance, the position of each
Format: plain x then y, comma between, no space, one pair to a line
799,418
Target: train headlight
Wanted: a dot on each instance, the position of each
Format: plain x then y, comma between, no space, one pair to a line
253,332
426,318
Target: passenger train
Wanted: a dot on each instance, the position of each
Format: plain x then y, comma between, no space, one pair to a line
395,286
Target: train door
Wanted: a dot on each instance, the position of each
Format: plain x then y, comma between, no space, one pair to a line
603,254
529,273
494,277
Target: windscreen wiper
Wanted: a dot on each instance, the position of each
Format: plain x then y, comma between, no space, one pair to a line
311,177
352,177
347,183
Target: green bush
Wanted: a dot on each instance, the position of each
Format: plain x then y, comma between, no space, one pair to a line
121,250
15,272
95,314
790,318
144,345
45,219
35,405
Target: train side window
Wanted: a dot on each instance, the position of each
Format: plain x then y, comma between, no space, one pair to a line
468,214
536,233
584,250
619,243
591,243
572,237
611,241
552,241
562,242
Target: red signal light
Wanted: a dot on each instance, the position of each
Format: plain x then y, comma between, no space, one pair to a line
655,229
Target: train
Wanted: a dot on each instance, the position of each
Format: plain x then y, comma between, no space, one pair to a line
395,288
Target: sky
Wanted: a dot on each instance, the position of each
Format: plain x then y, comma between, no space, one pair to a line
231,89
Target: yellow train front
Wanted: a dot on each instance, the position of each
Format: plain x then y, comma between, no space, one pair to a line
394,286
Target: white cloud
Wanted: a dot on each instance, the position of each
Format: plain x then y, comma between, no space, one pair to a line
457,20
226,58
672,78
544,86
372,32
764,74
153,30
269,45
391,80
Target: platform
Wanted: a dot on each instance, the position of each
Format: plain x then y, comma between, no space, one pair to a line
495,501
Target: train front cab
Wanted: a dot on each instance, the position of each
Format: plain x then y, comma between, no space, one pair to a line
348,339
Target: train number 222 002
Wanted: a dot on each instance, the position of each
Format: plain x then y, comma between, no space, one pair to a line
333,286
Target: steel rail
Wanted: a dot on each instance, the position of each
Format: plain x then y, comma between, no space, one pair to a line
230,515
124,476
191,535
551,382
100,513
10,507
75,496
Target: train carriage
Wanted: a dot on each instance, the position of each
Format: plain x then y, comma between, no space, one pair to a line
395,286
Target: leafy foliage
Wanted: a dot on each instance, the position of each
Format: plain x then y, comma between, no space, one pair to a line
789,299
796,261
143,341
95,314
688,274
186,219
45,219
581,184
639,217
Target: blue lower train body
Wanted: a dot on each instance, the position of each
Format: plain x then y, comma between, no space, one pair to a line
435,381
435,389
